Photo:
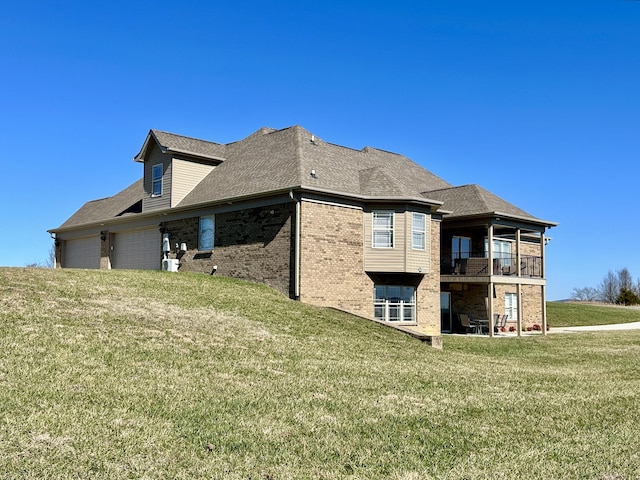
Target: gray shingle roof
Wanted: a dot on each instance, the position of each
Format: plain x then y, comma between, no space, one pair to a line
123,203
170,142
472,200
270,161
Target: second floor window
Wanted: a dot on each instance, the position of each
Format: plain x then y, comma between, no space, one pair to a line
382,229
418,231
156,180
461,247
501,251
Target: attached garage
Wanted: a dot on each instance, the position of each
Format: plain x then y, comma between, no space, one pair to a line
137,250
82,253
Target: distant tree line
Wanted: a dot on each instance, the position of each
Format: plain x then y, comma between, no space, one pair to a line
618,288
50,261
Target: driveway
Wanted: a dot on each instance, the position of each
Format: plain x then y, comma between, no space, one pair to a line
597,328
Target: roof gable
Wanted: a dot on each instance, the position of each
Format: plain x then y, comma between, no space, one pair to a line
170,142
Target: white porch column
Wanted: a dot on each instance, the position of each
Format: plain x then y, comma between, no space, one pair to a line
519,300
544,309
543,273
490,272
519,270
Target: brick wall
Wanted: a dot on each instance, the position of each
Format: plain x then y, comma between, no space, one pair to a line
332,271
252,244
528,248
331,265
428,292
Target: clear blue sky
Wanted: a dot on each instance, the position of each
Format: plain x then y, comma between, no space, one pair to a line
538,102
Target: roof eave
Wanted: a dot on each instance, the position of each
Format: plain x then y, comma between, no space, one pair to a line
497,215
433,204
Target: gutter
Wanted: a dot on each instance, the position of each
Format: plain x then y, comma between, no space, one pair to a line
227,201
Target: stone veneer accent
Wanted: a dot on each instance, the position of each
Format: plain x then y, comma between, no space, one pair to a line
253,244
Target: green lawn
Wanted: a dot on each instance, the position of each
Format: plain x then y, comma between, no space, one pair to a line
561,314
115,374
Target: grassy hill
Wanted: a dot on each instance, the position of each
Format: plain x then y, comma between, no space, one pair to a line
116,374
566,314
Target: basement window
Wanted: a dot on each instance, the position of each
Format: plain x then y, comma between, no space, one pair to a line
395,303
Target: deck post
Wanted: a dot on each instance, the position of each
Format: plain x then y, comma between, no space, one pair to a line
490,272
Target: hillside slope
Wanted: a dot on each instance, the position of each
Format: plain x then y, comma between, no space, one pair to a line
116,374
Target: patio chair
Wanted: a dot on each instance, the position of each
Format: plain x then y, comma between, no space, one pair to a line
499,322
481,325
467,323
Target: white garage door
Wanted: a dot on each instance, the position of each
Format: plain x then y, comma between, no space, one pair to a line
139,250
82,253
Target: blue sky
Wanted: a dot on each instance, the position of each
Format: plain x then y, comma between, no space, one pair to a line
537,102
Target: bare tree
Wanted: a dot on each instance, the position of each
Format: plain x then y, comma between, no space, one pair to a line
625,280
586,294
50,262
609,288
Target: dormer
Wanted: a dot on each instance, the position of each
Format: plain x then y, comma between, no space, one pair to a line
173,166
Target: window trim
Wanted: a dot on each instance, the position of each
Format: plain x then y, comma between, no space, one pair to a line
388,230
385,306
422,232
155,181
513,306
205,248
504,255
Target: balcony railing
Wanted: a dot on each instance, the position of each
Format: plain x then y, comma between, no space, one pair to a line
474,265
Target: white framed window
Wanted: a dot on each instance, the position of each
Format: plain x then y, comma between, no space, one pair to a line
418,231
382,229
501,251
206,233
394,303
156,180
511,306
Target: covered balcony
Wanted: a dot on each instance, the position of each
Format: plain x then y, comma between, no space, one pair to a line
478,265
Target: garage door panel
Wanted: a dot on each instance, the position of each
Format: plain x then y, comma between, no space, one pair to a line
82,253
139,250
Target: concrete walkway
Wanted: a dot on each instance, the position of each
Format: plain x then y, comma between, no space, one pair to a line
596,328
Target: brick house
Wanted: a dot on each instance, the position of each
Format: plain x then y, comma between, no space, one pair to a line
365,231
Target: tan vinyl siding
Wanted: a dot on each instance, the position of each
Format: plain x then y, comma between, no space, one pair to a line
185,176
149,202
417,261
385,259
402,258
